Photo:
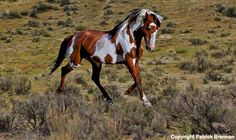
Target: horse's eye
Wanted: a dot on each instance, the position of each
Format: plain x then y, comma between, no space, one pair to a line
148,28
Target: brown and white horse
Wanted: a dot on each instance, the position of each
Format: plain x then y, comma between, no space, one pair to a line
121,45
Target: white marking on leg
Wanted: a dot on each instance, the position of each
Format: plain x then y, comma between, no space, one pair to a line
145,101
134,61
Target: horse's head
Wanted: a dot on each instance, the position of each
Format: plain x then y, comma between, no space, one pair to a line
151,24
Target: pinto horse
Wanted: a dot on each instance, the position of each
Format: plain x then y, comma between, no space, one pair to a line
121,45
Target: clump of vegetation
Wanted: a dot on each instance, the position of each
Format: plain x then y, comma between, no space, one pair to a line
22,86
213,47
40,7
185,31
214,75
218,54
5,84
5,39
11,15
41,32
80,27
108,12
224,34
169,29
61,2
197,41
33,23
24,13
70,9
36,39
198,64
226,10
66,23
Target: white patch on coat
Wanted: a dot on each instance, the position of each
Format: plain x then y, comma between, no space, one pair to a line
123,39
104,46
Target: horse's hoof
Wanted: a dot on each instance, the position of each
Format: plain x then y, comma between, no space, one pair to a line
59,90
125,96
109,101
147,104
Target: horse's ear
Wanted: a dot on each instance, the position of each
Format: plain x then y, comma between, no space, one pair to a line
146,16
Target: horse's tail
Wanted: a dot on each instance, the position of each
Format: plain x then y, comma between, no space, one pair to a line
61,55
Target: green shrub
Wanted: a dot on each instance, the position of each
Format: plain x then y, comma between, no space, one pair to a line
6,122
171,25
33,23
213,47
68,8
167,30
24,13
220,8
108,12
22,86
61,2
226,10
35,39
218,54
229,12
199,64
11,15
214,75
197,41
41,7
67,23
5,84
224,34
80,27
32,114
185,31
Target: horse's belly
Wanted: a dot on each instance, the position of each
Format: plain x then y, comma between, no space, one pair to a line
107,57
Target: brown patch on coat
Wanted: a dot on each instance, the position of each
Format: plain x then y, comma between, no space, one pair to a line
97,59
113,39
131,54
75,56
119,49
131,40
108,59
89,39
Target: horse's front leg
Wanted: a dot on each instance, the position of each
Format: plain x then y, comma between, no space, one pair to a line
134,71
131,88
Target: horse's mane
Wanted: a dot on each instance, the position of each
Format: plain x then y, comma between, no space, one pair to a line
132,16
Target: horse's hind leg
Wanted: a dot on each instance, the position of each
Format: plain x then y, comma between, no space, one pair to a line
95,77
64,71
